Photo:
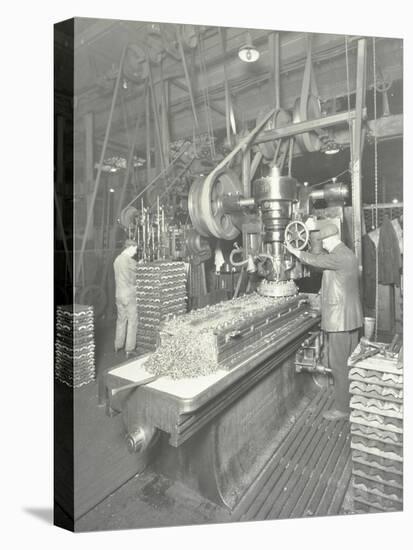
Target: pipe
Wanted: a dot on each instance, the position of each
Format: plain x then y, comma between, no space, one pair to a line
237,251
318,369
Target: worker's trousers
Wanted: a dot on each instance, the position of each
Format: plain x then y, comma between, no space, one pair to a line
126,325
340,346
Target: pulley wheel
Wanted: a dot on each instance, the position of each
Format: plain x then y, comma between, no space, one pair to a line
310,141
297,234
189,36
280,119
205,204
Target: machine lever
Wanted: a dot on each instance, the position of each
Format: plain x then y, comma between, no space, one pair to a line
111,392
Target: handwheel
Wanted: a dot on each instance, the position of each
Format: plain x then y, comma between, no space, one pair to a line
383,84
296,234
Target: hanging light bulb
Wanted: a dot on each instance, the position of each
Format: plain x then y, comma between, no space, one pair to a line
248,52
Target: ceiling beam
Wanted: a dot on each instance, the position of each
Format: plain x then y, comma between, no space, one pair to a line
213,104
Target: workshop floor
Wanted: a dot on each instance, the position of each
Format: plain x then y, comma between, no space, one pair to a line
308,475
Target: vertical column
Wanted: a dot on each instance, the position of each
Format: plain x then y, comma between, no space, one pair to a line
358,142
89,168
246,171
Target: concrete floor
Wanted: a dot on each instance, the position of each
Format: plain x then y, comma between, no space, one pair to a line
108,493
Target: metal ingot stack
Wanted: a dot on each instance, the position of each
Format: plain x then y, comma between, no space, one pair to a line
376,387
160,295
75,345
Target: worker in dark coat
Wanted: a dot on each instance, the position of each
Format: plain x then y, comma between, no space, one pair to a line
125,268
341,311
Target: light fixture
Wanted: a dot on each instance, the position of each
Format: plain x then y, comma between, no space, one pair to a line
111,190
395,201
248,52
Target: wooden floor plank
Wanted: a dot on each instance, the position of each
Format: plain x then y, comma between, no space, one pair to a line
308,474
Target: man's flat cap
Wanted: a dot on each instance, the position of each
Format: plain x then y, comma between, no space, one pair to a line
328,231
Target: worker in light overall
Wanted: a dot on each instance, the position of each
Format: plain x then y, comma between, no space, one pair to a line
125,281
341,310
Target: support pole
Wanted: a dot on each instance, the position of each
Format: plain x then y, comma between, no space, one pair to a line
99,172
60,186
357,153
255,163
89,168
155,113
148,136
246,171
274,47
187,77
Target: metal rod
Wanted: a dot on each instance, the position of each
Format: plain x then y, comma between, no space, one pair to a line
99,172
290,155
184,148
243,143
188,80
155,111
176,82
164,117
307,126
229,113
246,170
112,233
148,135
255,163
358,138
274,48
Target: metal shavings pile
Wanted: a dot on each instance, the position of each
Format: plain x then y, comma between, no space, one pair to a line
188,343
277,289
185,355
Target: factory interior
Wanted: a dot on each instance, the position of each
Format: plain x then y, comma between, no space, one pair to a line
214,150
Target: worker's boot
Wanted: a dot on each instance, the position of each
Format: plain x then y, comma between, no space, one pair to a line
335,414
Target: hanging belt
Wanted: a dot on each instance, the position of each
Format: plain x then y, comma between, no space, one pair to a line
308,106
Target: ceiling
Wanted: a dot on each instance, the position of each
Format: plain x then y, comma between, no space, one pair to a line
98,45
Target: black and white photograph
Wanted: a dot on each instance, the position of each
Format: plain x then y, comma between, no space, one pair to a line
228,274
205,275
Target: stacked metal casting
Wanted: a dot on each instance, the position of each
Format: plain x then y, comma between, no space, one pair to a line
75,345
160,294
376,385
226,334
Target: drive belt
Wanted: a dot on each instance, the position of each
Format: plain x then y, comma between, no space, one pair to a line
308,106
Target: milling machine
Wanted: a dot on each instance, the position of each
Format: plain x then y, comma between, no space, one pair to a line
213,430
278,211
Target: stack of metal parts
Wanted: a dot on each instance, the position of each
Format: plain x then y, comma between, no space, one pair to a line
376,385
160,295
75,345
226,334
